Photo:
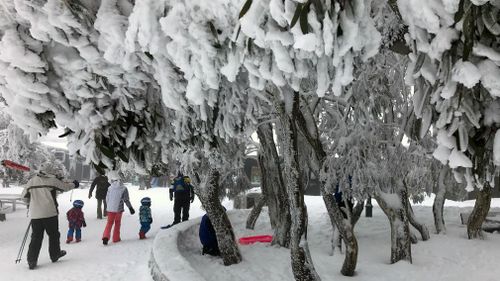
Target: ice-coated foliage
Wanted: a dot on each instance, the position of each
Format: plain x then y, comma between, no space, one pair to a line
455,52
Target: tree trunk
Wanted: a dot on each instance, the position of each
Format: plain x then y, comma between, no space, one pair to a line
345,227
346,231
274,186
422,228
356,212
438,206
478,215
220,221
254,214
302,265
400,228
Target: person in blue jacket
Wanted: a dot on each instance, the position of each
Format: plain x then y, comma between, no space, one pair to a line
208,238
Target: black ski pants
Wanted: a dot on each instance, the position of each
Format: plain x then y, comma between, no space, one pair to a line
51,226
181,204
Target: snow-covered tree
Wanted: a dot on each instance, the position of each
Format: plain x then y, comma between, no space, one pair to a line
455,70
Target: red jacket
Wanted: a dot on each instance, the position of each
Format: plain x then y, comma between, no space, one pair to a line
75,218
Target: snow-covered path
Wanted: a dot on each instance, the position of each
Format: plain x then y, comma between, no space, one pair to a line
89,259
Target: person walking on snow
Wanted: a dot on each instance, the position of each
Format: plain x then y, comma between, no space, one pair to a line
183,192
40,193
116,196
102,184
76,221
145,217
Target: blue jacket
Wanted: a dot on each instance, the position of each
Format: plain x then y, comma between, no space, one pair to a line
145,214
182,188
207,233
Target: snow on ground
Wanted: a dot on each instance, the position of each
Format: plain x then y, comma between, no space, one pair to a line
449,257
89,259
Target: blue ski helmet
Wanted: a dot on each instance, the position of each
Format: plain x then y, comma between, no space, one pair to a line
146,201
78,204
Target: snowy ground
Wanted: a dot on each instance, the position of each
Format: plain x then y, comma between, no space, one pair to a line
449,257
89,259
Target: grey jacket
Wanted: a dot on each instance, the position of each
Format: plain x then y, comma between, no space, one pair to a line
41,191
116,196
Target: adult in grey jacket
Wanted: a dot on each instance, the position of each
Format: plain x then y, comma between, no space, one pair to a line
102,184
41,192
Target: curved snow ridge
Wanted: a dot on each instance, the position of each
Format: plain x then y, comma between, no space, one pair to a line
166,261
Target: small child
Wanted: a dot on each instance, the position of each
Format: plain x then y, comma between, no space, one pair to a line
145,217
76,221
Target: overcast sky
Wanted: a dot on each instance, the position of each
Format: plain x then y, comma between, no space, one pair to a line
51,139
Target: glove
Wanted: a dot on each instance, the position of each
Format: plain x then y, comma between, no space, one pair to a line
132,211
90,196
192,199
84,224
76,183
151,220
171,197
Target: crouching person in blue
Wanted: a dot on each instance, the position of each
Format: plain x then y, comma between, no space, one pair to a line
145,217
41,192
208,238
183,192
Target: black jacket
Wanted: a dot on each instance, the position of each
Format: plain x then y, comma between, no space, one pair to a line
102,187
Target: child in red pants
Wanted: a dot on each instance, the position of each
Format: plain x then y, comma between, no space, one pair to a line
116,196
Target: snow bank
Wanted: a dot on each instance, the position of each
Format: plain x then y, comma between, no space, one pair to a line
166,262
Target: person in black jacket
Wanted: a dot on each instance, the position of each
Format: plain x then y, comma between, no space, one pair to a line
102,184
183,192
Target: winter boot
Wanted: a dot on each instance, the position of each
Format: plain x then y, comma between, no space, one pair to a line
142,235
61,254
69,240
78,240
105,241
32,265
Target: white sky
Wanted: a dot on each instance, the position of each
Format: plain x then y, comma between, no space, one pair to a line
51,139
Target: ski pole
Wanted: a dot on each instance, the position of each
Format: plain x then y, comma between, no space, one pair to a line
71,195
21,249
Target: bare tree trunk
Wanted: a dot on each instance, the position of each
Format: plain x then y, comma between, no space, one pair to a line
422,228
254,214
302,264
220,221
346,231
479,213
438,206
356,212
345,227
274,186
400,228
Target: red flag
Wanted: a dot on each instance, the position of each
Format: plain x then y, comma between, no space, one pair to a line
15,166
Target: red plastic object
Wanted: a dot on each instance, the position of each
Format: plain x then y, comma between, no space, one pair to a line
15,166
252,239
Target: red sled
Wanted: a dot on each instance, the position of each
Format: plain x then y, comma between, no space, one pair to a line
15,166
252,239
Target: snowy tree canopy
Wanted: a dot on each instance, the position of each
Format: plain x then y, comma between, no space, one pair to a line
455,69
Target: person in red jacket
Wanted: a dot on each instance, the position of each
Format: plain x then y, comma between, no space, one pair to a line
76,220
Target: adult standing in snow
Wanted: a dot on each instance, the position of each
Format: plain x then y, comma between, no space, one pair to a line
41,191
183,192
116,196
102,184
